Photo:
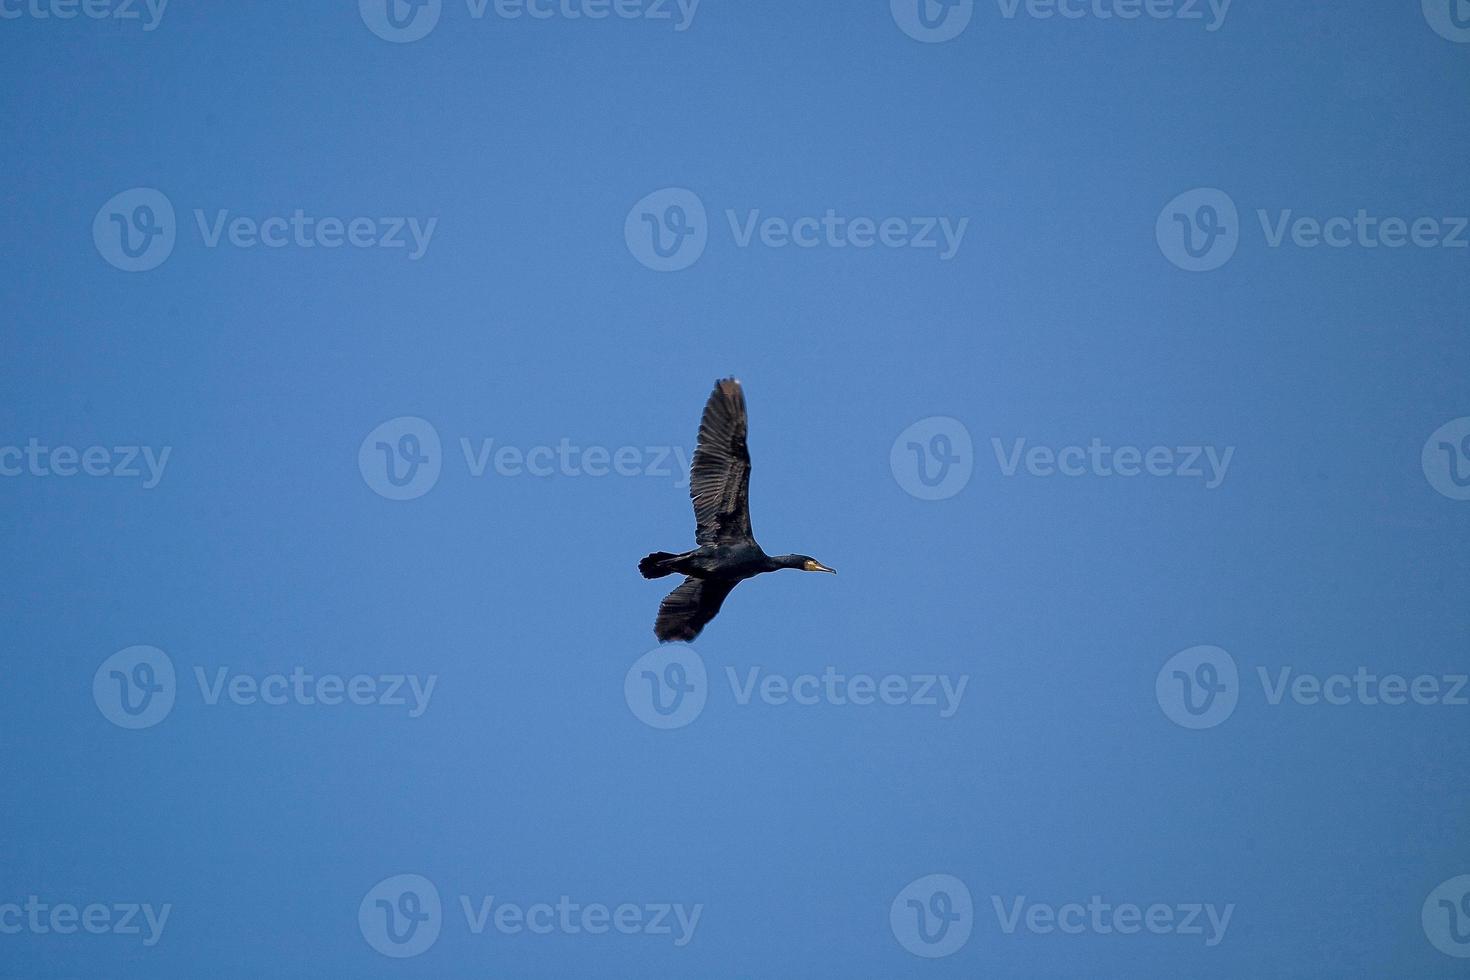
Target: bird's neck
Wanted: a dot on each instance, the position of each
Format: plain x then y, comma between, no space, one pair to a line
788,561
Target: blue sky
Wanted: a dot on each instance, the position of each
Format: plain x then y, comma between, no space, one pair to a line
1117,362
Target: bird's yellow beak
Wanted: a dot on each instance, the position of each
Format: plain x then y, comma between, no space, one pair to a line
816,566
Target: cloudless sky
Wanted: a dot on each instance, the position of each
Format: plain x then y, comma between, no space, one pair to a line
530,319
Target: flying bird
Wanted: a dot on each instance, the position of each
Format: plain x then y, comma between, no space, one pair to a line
719,485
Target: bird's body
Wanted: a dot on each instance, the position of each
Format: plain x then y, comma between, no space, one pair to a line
737,561
719,485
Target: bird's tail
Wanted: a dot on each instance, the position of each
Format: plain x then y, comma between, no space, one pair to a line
652,566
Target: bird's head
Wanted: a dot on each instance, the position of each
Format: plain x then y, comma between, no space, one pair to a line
805,563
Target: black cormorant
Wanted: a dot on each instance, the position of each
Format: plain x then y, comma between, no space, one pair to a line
719,484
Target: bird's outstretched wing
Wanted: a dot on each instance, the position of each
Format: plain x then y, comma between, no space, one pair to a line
719,474
686,610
